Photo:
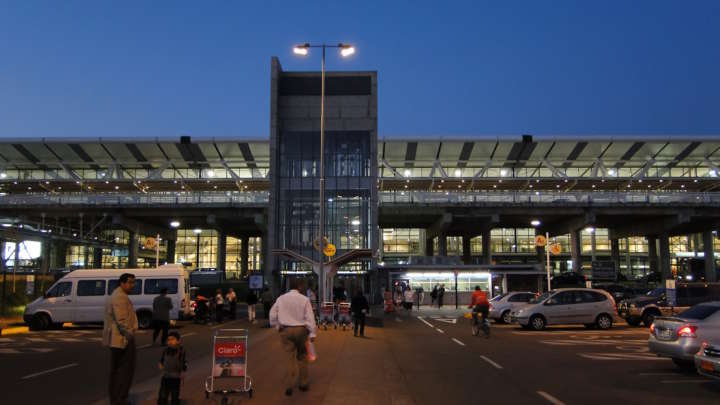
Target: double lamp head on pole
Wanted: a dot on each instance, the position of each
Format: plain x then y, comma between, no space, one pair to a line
303,49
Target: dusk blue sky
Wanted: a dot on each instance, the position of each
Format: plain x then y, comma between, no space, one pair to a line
167,68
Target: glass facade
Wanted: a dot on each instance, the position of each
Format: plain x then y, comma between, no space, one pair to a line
196,249
347,191
403,241
233,258
512,240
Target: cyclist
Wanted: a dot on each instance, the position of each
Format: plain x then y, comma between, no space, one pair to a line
479,303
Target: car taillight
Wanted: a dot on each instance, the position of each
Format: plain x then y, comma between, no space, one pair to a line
652,329
687,331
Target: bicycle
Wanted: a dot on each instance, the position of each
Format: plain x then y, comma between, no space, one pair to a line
477,326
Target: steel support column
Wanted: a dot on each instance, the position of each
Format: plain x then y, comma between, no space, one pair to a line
709,253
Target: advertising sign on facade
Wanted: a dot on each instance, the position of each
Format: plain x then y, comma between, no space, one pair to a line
30,284
229,359
604,270
255,282
670,293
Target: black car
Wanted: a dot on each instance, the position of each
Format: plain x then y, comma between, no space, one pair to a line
619,291
646,308
569,279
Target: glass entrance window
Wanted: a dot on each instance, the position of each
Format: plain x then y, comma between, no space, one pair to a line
233,258
196,249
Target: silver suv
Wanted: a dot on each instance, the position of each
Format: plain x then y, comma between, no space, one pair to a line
586,306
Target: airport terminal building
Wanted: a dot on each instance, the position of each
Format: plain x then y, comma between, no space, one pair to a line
458,211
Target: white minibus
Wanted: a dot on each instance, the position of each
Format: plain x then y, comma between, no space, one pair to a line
80,296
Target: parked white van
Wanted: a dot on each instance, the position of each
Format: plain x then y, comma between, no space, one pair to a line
80,296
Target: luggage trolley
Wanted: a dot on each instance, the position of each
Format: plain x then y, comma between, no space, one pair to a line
344,318
229,364
327,314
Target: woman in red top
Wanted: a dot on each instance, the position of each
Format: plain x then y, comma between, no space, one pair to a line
479,303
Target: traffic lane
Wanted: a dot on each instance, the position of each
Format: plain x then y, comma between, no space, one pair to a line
89,377
439,370
600,365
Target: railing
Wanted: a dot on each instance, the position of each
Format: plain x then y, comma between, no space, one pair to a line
136,199
554,198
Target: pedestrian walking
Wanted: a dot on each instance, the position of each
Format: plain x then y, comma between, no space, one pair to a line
433,294
267,300
408,298
292,314
219,305
359,308
420,293
162,304
173,364
251,302
119,327
231,300
441,295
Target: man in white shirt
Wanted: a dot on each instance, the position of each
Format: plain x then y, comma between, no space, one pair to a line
293,316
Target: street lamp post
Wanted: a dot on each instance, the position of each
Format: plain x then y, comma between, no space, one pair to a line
345,50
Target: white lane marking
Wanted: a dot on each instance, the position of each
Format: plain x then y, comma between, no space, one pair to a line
425,322
42,349
188,334
145,346
447,320
458,342
8,340
621,356
9,351
37,339
497,366
398,319
439,330
651,374
69,340
49,371
685,381
550,398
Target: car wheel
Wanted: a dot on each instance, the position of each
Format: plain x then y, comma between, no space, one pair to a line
507,317
144,320
633,321
604,321
537,322
649,317
39,322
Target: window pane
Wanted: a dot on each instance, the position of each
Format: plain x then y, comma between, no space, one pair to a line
154,285
112,285
60,290
87,288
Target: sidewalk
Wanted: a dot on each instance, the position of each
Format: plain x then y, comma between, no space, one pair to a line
349,371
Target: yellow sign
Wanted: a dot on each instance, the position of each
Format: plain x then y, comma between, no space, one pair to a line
540,241
555,248
329,250
150,243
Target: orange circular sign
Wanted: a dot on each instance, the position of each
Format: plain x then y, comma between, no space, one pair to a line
540,241
555,249
150,243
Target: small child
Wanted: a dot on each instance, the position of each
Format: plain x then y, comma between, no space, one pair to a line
173,364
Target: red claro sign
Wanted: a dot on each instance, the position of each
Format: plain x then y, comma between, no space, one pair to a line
229,350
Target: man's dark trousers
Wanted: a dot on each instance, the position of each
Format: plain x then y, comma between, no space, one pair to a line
122,368
169,388
360,321
159,325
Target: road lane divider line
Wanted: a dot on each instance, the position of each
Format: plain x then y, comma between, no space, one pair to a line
49,371
458,342
652,374
550,398
439,330
425,322
188,334
494,364
695,381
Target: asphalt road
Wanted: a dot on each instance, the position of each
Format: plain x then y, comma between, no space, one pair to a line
571,365
439,362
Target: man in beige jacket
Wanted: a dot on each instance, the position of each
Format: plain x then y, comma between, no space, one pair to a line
119,335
